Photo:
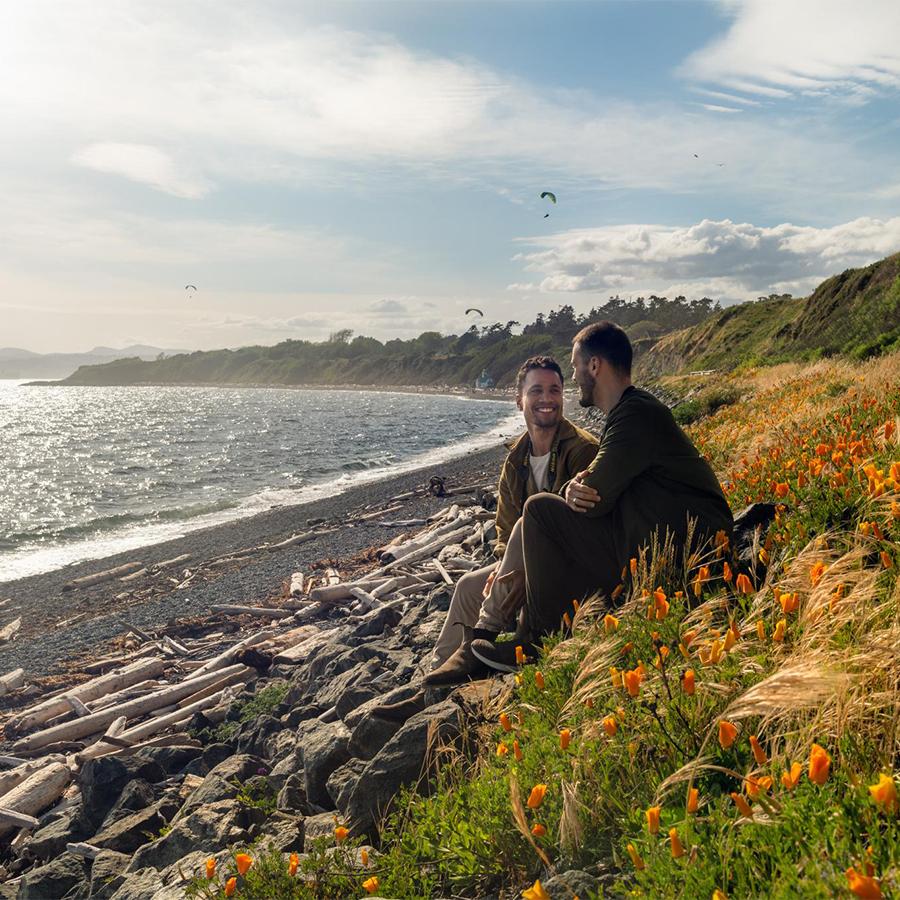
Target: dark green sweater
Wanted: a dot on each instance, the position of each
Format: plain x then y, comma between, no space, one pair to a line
650,477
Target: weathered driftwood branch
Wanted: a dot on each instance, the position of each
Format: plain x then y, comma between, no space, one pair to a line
266,612
15,819
429,550
90,690
366,599
100,577
297,581
37,791
170,563
79,728
443,572
134,575
11,681
393,553
226,656
9,779
8,632
333,593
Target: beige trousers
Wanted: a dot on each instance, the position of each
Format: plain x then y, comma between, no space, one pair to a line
470,607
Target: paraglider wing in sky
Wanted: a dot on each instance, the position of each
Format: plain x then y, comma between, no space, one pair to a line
473,309
192,287
549,195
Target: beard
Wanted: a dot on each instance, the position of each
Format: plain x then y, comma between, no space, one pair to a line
587,390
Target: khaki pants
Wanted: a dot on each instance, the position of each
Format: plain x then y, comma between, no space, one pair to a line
470,607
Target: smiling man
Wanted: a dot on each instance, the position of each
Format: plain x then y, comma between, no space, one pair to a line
647,481
550,452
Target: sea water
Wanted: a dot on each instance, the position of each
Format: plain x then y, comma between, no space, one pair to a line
87,472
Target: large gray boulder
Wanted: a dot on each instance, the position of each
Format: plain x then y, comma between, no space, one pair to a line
224,780
400,762
131,831
324,747
54,880
102,781
208,827
107,874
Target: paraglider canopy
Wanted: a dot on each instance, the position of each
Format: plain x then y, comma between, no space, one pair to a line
549,195
473,309
191,287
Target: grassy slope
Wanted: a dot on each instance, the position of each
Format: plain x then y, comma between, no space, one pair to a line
855,313
814,658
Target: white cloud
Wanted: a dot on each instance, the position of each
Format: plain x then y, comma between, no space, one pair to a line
241,96
776,48
142,163
725,260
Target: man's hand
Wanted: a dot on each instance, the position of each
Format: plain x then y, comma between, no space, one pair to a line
486,590
514,582
580,497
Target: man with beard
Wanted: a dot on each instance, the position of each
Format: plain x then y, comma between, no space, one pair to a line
647,481
550,452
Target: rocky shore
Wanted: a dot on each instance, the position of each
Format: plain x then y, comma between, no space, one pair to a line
182,723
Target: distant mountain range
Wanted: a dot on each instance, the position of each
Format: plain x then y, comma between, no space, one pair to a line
18,363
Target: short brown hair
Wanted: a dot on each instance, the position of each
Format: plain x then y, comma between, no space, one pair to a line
608,341
537,362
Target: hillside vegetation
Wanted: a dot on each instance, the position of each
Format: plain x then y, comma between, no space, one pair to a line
730,730
430,359
856,313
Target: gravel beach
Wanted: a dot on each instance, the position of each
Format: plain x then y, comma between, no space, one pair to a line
48,637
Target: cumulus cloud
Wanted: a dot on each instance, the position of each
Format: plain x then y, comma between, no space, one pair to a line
388,308
142,163
776,49
728,261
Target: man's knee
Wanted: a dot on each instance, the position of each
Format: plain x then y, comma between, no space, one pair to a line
468,594
545,510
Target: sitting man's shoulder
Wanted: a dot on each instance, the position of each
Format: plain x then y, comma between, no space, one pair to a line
569,431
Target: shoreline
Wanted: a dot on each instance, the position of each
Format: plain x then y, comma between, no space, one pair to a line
58,625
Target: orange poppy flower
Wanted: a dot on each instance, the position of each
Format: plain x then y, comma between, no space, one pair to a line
538,830
370,885
758,753
520,655
652,815
517,751
743,584
819,765
727,574
610,726
230,886
633,563
610,623
865,886
778,633
502,749
791,778
536,797
243,861
636,860
675,843
693,802
210,868
727,733
340,834
884,793
363,856
688,682
294,862
743,806
633,683
505,722
539,680
565,738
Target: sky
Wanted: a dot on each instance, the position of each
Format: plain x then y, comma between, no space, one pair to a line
378,164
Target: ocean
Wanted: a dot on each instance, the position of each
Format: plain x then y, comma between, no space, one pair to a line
87,472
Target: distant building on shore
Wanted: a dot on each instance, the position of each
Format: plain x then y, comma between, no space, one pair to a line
484,381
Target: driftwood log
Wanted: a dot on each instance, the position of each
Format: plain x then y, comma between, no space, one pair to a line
90,690
100,577
87,725
37,792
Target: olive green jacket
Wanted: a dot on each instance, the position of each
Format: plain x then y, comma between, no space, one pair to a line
572,451
651,478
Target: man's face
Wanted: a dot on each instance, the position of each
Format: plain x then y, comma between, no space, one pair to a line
541,399
583,377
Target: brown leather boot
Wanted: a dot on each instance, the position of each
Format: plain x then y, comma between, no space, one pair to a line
462,665
400,712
